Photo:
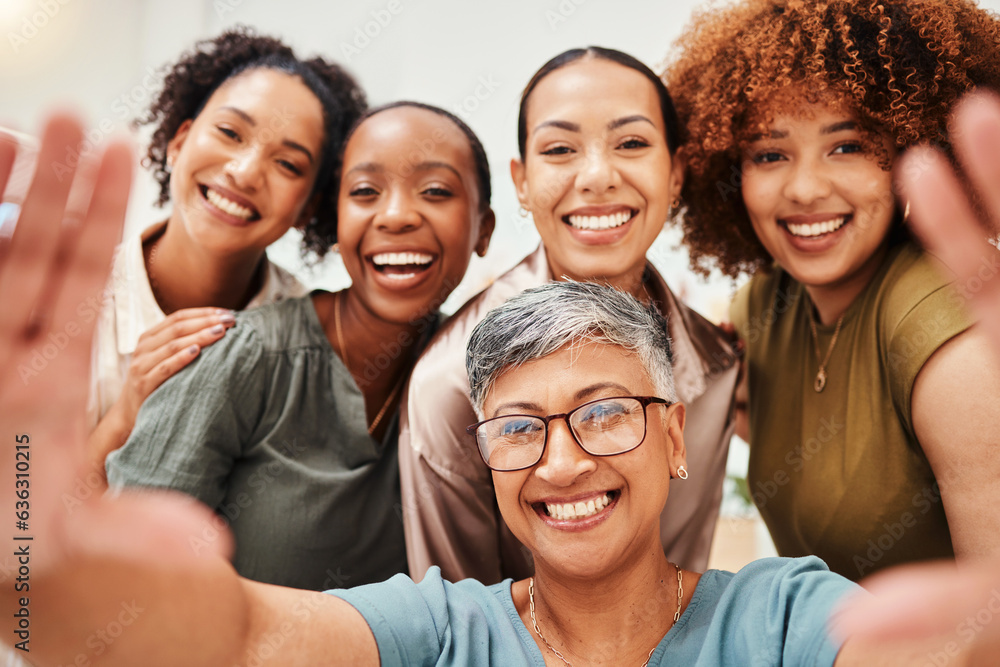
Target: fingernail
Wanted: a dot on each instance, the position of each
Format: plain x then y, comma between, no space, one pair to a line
193,349
217,329
228,317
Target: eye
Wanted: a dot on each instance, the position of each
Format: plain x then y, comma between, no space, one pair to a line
603,415
437,191
767,157
228,132
519,428
634,143
290,167
363,191
557,150
848,148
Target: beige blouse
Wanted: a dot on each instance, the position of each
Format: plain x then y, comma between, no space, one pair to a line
128,309
449,511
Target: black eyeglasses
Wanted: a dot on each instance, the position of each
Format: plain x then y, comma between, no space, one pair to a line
604,427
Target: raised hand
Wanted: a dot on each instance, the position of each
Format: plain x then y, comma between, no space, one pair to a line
85,554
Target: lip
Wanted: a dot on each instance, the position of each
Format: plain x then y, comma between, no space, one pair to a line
395,282
815,244
226,217
578,525
596,237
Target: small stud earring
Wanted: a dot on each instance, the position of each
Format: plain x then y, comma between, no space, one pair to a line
523,212
335,249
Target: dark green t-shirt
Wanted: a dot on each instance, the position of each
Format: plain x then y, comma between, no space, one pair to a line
268,428
840,474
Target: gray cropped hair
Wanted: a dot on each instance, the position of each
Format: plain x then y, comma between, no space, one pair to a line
540,321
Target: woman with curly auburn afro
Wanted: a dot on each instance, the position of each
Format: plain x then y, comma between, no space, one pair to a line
245,145
871,400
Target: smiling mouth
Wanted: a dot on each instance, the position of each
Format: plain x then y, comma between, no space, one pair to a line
578,510
599,222
226,205
401,265
812,230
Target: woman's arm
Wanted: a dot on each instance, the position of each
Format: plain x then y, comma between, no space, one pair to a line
115,580
956,418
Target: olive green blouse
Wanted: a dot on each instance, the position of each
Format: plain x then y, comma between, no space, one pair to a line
840,474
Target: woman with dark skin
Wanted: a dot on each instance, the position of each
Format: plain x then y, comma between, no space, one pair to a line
287,426
870,394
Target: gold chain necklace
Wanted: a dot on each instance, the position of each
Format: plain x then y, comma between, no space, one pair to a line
534,621
343,351
820,381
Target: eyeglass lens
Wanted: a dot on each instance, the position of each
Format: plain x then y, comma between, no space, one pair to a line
603,427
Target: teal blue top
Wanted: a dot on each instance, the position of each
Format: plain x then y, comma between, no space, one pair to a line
772,612
268,428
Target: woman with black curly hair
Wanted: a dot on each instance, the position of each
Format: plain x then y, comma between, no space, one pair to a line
871,401
246,142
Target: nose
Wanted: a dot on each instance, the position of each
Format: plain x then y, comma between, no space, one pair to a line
807,183
563,461
398,213
246,169
597,173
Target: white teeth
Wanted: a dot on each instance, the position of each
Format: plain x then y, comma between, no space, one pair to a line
579,510
816,228
600,222
401,258
230,207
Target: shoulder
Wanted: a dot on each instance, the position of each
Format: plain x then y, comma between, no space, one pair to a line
758,304
912,277
278,285
795,596
435,620
446,349
281,326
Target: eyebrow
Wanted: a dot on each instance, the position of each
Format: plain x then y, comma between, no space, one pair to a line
637,118
581,395
427,166
600,386
375,168
613,125
516,405
833,128
288,143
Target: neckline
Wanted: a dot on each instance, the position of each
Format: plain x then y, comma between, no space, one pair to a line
675,630
855,306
